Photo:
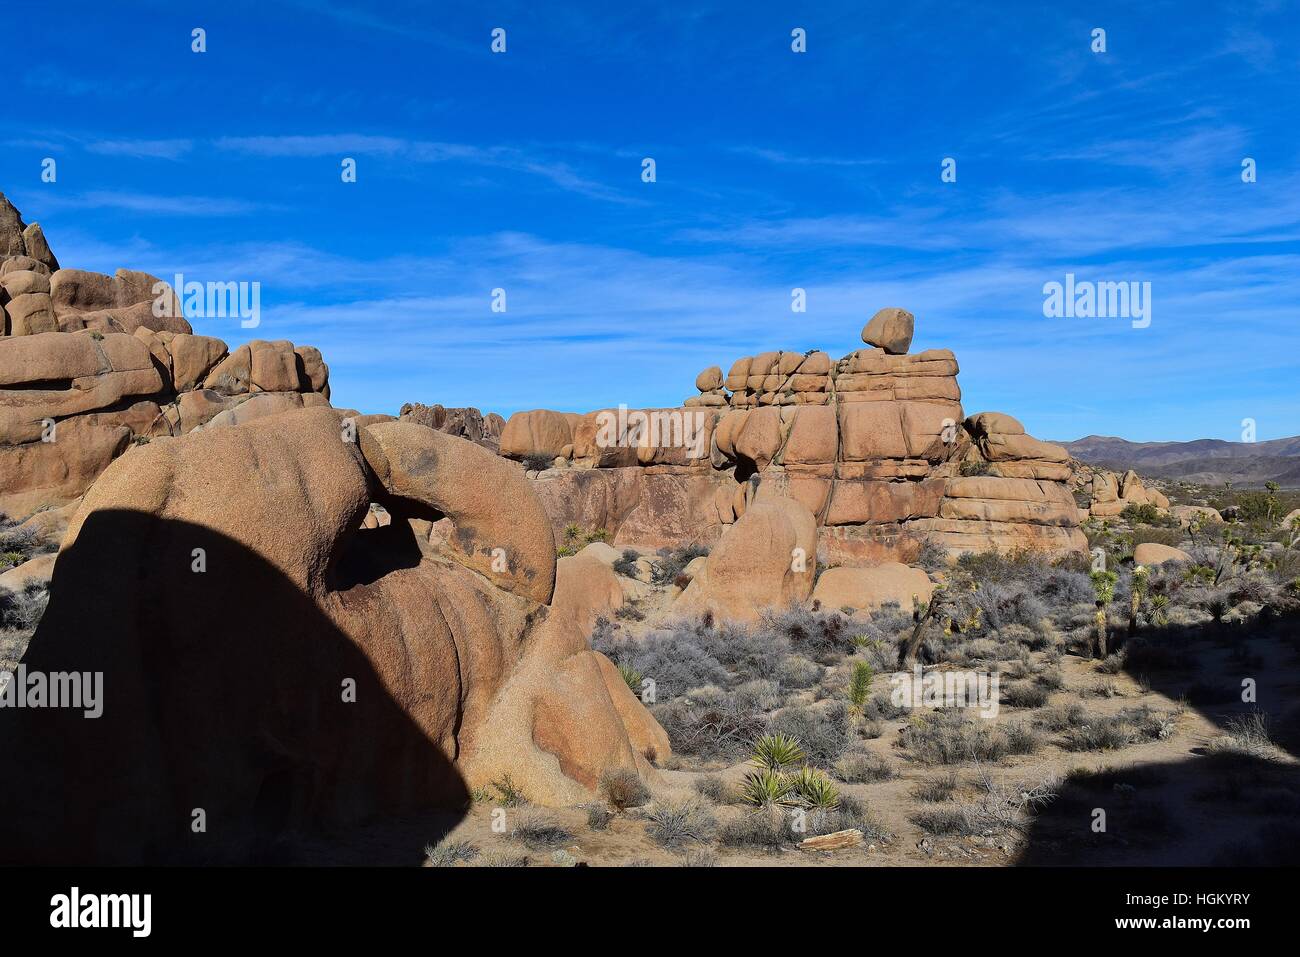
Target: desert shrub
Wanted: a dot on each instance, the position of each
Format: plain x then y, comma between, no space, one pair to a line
1145,514
796,671
623,788
598,817
947,821
825,732
1113,664
931,555
863,769
1062,717
625,564
947,737
1025,694
1157,536
700,857
823,636
1021,738
880,653
936,789
1002,605
539,829
712,787
502,859
672,562
752,652
509,794
767,828
1113,732
672,825
1022,635
1050,679
538,461
880,707
1062,588
759,694
630,612
998,567
1247,735
711,724
22,610
673,658
447,853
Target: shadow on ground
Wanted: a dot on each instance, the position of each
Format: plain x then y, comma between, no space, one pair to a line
1211,808
223,706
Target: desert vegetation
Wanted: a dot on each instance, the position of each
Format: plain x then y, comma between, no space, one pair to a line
788,728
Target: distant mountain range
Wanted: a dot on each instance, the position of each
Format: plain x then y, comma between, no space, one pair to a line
1204,461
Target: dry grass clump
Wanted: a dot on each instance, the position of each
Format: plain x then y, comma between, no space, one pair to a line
1246,736
537,829
947,737
1112,732
935,790
864,769
674,824
448,853
623,788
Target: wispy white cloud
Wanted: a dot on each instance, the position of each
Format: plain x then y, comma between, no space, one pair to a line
152,204
142,149
530,162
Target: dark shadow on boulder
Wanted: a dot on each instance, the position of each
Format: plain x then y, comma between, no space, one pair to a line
224,702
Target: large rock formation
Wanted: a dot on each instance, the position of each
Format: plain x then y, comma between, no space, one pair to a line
875,445
467,423
367,671
90,364
765,560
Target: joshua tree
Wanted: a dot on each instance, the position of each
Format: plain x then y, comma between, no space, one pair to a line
1103,583
1137,592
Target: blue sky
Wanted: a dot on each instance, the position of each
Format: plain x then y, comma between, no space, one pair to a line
774,170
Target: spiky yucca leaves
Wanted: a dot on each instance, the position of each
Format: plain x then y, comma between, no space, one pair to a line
860,687
776,751
632,678
765,787
814,789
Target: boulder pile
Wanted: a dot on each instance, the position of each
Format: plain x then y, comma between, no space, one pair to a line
874,445
1111,493
87,368
466,423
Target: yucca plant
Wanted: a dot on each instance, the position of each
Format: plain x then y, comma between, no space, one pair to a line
814,789
776,751
1159,613
632,678
860,687
765,787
